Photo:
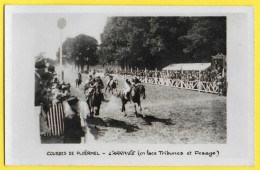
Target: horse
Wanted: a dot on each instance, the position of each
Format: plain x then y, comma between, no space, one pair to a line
111,86
78,82
136,92
94,98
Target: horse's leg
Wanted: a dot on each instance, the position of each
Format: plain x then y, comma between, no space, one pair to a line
123,108
97,110
141,110
92,111
135,110
89,107
125,112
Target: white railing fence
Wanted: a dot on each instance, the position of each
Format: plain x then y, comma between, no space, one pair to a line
201,86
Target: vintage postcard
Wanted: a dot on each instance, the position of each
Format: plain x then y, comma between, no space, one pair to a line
129,85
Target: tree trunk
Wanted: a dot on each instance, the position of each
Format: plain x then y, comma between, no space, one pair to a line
87,68
81,68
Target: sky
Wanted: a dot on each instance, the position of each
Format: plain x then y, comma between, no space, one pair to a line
35,33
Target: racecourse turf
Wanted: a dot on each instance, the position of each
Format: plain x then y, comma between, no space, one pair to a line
172,116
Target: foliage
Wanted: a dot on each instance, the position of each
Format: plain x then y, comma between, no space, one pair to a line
80,50
154,42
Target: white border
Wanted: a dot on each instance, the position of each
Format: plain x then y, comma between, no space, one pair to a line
239,150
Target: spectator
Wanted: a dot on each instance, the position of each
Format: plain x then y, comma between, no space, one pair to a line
73,130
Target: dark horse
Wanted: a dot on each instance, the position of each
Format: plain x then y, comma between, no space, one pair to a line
94,98
78,82
135,96
111,86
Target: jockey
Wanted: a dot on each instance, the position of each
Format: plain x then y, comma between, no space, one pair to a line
135,81
110,79
89,80
128,87
94,72
79,79
95,84
98,83
79,76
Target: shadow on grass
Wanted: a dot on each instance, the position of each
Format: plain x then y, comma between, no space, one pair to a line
96,121
51,139
97,132
149,119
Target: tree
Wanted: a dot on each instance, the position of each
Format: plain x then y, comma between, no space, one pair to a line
205,38
154,42
67,51
85,51
81,50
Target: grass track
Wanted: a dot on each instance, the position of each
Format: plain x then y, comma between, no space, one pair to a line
173,116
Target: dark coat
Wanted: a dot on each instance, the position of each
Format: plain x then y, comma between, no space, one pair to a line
72,129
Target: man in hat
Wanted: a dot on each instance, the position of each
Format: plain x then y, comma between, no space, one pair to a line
73,130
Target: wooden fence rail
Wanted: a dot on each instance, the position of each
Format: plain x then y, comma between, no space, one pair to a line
55,117
201,86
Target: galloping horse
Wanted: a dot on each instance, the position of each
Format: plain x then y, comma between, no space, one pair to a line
136,92
94,98
78,82
111,86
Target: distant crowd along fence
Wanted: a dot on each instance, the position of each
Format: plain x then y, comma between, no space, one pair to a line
201,86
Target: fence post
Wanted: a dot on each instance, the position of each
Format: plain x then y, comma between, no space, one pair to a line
199,86
37,123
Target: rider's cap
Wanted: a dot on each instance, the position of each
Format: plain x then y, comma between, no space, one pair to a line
72,100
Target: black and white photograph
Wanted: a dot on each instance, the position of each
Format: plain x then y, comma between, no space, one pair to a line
159,77
113,80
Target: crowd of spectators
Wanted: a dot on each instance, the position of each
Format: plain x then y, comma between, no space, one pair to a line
48,88
216,77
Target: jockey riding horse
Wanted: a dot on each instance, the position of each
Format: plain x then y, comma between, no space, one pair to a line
133,94
111,84
94,95
79,79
